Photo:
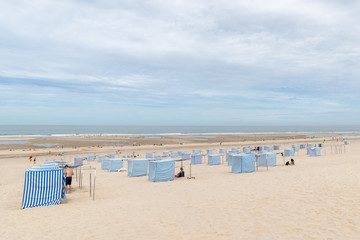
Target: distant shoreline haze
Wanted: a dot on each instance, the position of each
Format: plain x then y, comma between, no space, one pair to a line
71,130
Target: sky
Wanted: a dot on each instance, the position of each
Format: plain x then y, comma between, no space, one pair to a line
188,62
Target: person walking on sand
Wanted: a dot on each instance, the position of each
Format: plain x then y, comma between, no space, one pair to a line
34,160
68,174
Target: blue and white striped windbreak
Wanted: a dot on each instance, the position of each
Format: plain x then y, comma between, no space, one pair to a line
43,187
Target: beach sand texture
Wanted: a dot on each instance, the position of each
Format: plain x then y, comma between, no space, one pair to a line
318,198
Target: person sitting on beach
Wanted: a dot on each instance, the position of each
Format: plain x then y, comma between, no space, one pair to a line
181,173
68,174
287,163
292,162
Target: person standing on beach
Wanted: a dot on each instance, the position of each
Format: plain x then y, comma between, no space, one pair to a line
30,158
68,174
34,160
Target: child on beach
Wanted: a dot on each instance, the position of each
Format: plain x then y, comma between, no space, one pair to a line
181,173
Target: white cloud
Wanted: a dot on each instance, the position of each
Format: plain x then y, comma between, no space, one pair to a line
162,54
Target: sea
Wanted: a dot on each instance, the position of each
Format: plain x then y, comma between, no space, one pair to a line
119,130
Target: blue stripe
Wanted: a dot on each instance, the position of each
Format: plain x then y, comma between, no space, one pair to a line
43,187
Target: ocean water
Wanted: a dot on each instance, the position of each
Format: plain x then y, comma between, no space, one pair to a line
79,130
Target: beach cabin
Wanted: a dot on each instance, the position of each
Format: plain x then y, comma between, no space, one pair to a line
50,164
289,152
111,155
90,158
247,150
149,155
229,155
310,146
214,159
174,154
276,147
44,167
196,158
163,170
137,167
156,157
105,164
209,151
196,151
295,148
166,154
235,149
302,146
115,164
180,153
315,152
222,151
43,187
78,161
101,158
267,159
243,163
267,148
185,156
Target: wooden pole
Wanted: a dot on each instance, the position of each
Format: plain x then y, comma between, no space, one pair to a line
190,172
94,186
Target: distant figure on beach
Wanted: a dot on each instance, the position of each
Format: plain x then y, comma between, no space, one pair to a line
180,174
30,158
34,160
68,174
291,163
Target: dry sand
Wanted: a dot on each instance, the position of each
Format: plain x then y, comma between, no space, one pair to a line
318,198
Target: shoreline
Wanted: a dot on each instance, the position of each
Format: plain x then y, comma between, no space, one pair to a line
101,144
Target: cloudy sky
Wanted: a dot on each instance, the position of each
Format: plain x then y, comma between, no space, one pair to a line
256,62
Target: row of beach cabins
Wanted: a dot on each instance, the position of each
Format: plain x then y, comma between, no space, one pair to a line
45,184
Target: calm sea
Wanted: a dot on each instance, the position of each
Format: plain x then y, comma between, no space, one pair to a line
73,130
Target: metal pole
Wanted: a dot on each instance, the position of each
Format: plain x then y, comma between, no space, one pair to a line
190,172
90,182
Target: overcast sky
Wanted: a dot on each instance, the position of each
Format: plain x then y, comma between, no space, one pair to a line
253,62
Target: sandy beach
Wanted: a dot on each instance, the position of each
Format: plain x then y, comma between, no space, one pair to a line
318,198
